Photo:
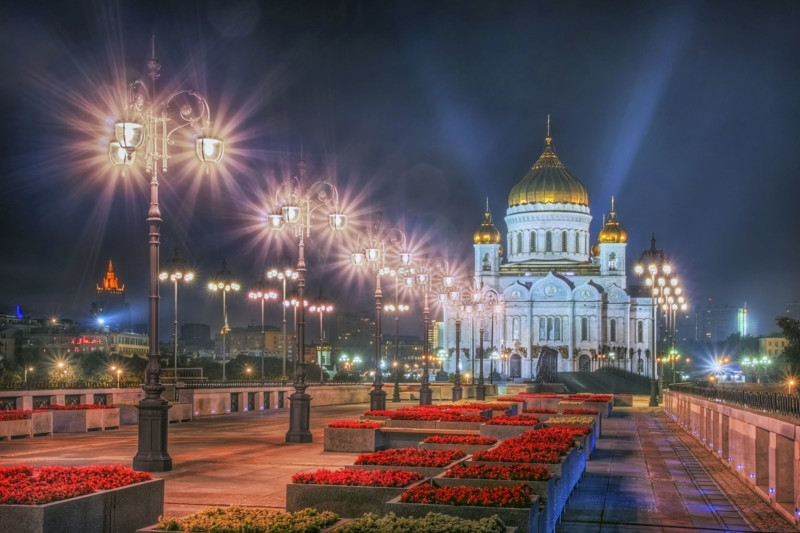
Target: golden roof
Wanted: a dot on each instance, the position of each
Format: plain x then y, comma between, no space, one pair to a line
486,233
548,182
612,231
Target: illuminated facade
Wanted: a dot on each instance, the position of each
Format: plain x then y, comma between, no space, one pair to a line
566,305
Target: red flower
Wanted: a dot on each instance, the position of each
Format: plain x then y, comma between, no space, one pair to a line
410,457
76,407
29,486
512,421
355,424
361,478
579,411
540,410
460,439
513,472
519,496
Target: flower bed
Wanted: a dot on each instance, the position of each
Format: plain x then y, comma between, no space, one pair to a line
517,472
235,519
516,506
372,523
579,411
356,424
517,420
25,423
539,410
469,444
348,493
88,499
507,427
411,457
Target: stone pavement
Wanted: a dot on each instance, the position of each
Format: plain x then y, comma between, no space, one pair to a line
646,475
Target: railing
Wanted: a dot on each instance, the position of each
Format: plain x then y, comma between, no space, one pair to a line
769,402
77,384
227,384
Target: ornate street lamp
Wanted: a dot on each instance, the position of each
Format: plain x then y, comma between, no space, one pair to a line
653,270
373,250
175,270
487,305
296,206
422,276
224,283
283,275
323,349
263,293
459,300
397,308
147,127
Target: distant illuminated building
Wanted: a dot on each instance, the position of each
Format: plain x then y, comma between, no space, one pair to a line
741,321
109,305
716,323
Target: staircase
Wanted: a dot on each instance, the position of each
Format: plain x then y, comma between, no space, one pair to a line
610,381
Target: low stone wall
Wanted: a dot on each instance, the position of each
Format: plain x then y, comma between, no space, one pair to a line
761,448
83,420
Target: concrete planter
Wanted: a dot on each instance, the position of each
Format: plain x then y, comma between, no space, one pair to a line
468,426
15,428
427,471
83,420
469,449
604,408
179,412
119,510
345,500
505,432
42,423
525,519
353,440
414,424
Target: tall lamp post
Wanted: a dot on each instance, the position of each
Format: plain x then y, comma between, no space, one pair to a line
455,298
283,275
176,270
224,284
653,270
147,127
373,249
296,206
485,308
262,293
396,308
324,349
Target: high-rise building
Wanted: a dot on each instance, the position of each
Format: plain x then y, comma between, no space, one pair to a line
109,307
716,323
196,336
355,330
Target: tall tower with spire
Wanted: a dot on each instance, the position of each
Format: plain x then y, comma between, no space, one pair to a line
612,242
486,243
109,305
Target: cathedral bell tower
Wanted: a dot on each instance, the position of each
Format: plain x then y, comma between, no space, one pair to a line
487,247
610,249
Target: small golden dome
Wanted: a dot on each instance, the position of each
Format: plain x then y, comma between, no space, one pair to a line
612,231
486,233
548,182
595,251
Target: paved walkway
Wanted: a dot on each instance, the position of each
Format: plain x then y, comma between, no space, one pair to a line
645,475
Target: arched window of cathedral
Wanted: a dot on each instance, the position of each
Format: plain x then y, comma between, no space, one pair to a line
515,329
612,327
612,261
584,329
639,331
639,365
563,241
557,329
577,242
542,329
549,329
533,241
519,242
548,241
487,263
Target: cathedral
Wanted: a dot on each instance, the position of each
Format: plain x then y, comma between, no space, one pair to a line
558,303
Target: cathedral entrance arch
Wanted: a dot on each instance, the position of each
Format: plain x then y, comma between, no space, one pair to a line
515,366
584,363
547,370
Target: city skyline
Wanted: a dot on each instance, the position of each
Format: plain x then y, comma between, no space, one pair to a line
685,113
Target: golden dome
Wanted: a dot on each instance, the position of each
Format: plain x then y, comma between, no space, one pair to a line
548,182
486,233
612,231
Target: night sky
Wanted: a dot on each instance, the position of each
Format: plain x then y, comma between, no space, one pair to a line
687,112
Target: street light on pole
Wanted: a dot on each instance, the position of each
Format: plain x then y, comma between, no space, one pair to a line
372,250
148,125
224,284
175,270
296,207
262,293
397,308
283,275
653,269
323,349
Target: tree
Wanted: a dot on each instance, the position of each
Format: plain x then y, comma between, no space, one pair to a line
791,330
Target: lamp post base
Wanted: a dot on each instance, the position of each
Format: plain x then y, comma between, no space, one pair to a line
152,455
653,393
480,392
396,392
299,415
425,394
377,398
457,393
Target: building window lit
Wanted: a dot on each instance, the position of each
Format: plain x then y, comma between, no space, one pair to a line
639,331
584,329
612,326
